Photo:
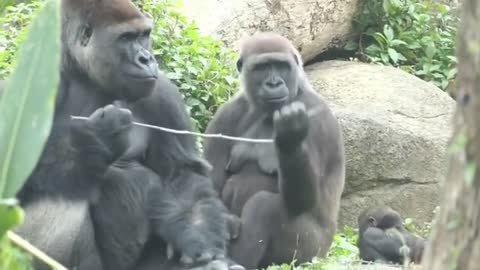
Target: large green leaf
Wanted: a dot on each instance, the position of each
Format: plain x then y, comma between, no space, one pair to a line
26,107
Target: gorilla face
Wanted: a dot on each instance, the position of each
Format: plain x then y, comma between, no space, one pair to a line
118,57
270,79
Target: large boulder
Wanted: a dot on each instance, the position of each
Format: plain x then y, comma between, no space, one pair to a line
396,130
313,26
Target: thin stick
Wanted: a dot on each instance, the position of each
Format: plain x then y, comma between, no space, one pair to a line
19,241
218,135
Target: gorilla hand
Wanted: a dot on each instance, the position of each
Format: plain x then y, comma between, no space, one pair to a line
221,264
290,125
103,137
234,224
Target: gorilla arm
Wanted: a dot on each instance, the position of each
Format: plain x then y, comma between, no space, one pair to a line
175,158
310,153
297,175
375,244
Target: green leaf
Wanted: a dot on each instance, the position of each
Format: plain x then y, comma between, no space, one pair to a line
4,4
11,215
27,106
393,55
430,50
388,31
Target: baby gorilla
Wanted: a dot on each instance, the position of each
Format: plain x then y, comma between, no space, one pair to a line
161,206
377,243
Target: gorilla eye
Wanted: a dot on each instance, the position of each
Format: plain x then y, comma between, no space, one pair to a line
146,33
283,65
128,36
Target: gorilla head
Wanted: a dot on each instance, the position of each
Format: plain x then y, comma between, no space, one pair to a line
109,43
380,217
270,69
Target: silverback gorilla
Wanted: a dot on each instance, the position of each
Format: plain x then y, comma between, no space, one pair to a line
106,195
286,193
376,244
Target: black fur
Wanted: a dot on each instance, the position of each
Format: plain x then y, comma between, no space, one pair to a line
287,193
376,244
109,194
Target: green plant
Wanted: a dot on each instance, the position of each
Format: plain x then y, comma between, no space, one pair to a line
26,108
201,66
417,36
13,26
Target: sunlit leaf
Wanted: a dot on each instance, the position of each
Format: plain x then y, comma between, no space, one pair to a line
27,105
11,215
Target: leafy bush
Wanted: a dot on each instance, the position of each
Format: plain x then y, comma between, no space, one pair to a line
416,35
13,25
200,66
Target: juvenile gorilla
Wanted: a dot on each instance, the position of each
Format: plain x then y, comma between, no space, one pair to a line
376,244
286,193
106,194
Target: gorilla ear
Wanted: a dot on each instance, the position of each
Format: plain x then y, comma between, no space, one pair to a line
86,33
372,221
295,56
239,64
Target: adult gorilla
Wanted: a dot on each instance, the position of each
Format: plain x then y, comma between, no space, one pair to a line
87,202
287,193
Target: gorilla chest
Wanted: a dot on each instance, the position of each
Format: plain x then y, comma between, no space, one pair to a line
263,155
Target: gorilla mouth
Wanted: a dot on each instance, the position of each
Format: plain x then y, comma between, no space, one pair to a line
142,77
275,100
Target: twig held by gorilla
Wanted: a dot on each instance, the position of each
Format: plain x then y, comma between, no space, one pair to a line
310,113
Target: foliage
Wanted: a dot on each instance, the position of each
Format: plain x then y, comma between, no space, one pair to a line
416,35
13,26
201,66
26,108
27,105
11,257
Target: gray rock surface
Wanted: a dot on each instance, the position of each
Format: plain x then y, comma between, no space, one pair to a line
312,25
396,130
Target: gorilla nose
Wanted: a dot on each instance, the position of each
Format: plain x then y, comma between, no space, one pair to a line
144,57
147,62
274,84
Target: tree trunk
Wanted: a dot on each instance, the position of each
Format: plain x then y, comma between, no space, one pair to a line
455,239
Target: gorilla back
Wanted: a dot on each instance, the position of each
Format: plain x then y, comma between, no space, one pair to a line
107,58
287,193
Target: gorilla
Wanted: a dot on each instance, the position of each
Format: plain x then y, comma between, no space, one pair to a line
287,193
106,194
376,244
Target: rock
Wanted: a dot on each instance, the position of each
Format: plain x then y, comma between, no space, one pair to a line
313,26
396,129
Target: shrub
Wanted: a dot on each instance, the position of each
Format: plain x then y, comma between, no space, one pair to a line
13,28
200,66
417,36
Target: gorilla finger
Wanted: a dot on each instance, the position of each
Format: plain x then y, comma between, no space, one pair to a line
184,259
298,106
204,257
170,251
218,265
276,116
97,114
236,267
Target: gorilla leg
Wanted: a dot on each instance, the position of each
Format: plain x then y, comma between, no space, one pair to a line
269,234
